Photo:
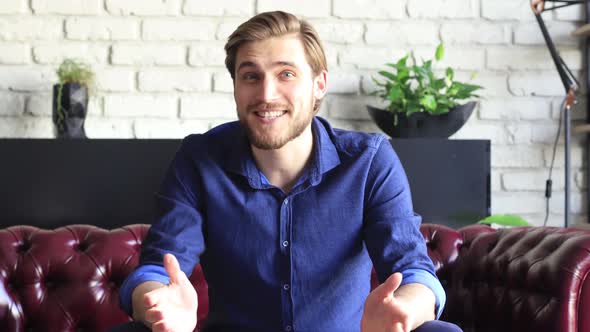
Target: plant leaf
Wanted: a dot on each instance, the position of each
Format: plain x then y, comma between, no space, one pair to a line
465,91
388,75
440,52
395,93
429,103
402,63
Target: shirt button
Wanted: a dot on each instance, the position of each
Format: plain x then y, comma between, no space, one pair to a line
288,328
286,287
285,243
286,201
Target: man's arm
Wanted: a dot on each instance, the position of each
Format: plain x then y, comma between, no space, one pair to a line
176,234
395,244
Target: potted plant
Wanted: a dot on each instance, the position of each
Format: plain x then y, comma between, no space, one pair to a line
70,98
420,104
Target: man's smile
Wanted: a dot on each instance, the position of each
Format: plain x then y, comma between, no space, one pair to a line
270,114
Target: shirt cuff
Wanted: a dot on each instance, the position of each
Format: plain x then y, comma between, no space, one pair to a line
142,274
430,281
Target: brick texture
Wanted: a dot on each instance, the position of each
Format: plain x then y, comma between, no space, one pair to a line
306,8
13,7
67,7
85,28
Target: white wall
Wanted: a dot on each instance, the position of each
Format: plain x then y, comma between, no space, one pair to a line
160,72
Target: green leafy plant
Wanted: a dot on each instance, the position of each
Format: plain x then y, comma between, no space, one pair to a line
71,71
411,87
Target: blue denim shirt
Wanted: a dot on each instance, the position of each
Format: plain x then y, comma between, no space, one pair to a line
276,261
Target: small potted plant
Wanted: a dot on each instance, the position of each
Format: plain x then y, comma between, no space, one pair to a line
70,98
420,104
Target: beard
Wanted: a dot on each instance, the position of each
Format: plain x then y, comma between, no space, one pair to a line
264,140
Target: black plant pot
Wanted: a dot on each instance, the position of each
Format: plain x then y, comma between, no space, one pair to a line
68,120
422,124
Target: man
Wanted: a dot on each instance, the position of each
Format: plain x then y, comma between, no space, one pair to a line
286,215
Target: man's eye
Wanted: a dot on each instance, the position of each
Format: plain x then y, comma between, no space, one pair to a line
287,74
250,77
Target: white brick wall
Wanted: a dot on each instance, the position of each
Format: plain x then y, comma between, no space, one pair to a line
85,28
20,78
207,54
401,33
346,32
39,104
528,33
25,126
150,128
141,106
12,104
316,8
474,32
98,127
30,28
502,10
114,79
53,52
67,7
169,80
14,54
208,106
160,72
443,8
13,7
219,8
148,54
178,29
372,9
143,7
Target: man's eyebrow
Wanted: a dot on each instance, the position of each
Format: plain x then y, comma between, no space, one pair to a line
247,64
277,63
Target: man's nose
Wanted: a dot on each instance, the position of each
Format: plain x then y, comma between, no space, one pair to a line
268,90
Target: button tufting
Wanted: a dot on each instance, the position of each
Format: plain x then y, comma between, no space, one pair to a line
24,246
82,246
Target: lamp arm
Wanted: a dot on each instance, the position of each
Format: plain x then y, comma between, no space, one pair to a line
567,79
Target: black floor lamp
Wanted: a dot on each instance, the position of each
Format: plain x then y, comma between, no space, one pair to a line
569,83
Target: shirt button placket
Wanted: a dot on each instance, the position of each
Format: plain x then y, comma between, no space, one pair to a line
286,244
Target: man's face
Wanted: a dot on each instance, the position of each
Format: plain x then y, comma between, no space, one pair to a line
275,90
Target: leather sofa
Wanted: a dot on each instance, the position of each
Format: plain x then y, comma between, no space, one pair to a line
522,279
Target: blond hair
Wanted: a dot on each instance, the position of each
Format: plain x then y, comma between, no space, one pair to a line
276,24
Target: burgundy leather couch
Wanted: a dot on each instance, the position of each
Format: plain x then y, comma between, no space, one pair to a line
524,279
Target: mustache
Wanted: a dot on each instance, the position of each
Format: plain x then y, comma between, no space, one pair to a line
268,107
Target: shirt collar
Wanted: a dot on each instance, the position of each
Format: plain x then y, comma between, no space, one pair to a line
325,155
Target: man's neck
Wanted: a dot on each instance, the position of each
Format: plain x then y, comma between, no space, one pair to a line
283,167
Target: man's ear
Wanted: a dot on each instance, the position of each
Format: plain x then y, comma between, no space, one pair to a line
320,85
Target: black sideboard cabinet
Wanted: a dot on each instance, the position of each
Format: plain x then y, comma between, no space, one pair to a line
110,182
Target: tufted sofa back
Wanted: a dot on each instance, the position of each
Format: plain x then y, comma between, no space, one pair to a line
525,279
519,279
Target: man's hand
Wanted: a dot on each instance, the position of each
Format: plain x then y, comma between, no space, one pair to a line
172,308
391,308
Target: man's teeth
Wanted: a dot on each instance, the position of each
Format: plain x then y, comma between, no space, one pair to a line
270,115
